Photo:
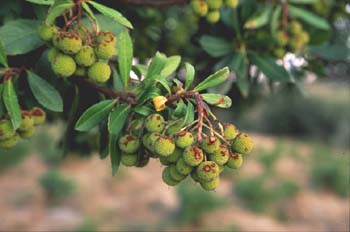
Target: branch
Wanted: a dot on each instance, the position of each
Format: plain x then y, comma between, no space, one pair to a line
154,3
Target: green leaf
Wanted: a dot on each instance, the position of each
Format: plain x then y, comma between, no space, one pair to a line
2,106
237,64
302,1
309,17
117,119
20,36
117,81
275,19
143,110
115,153
3,57
163,82
45,93
218,100
157,65
189,117
94,115
215,46
125,54
57,9
269,67
88,10
140,69
171,65
260,18
11,104
243,86
104,140
331,52
180,109
190,72
116,15
42,2
213,80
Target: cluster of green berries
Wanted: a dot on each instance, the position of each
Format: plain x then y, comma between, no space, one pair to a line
9,137
293,40
211,8
71,53
180,151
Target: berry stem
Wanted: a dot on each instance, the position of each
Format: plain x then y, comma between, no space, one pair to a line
218,135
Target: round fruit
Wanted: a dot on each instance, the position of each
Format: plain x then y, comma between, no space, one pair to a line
214,4
194,176
136,127
164,160
184,139
167,177
47,32
213,17
243,143
39,116
154,123
69,42
211,185
279,52
305,37
151,140
99,72
210,144
10,142
182,167
282,38
230,131
175,174
86,56
27,133
27,121
221,156
235,161
80,71
52,53
193,156
105,50
6,130
128,160
175,156
207,171
200,7
129,144
63,65
231,3
164,146
106,37
295,28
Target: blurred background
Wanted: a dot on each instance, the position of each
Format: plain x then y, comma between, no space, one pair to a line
296,178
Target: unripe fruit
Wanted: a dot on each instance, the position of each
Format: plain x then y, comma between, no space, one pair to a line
211,185
221,156
129,144
182,167
69,42
10,142
200,7
63,65
296,44
279,52
210,144
175,175
105,51
86,56
106,37
231,3
6,130
47,32
26,134
184,139
214,4
295,27
230,131
213,17
39,116
282,38
207,171
27,121
151,140
80,71
136,127
128,160
164,146
99,72
164,160
167,177
51,54
194,176
154,123
193,156
304,36
243,143
235,161
221,168
175,156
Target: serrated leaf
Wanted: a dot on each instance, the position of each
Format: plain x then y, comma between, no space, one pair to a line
215,46
190,72
42,2
94,115
189,117
20,36
11,104
217,100
117,119
3,57
309,17
171,65
45,93
114,14
260,18
57,9
213,80
125,54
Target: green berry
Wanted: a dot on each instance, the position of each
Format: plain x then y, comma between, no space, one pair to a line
282,38
27,133
63,65
243,143
200,7
99,72
221,156
129,144
164,160
151,140
184,139
167,177
164,146
154,123
175,156
194,176
47,32
52,53
207,171
210,185
182,167
214,4
232,3
210,144
105,51
27,121
193,156
86,56
69,42
235,161
230,131
80,71
136,127
106,37
279,52
128,160
221,168
304,36
295,28
6,130
175,174
39,116
213,16
10,142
